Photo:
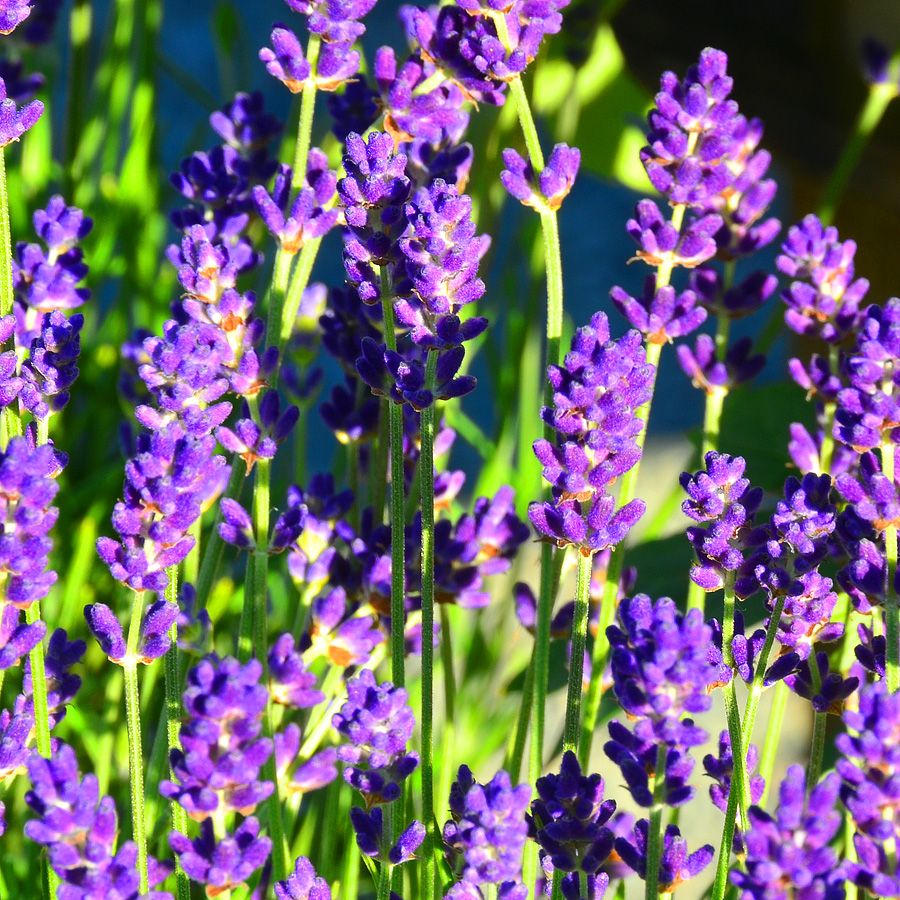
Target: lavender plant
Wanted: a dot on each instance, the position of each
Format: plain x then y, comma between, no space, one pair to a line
324,645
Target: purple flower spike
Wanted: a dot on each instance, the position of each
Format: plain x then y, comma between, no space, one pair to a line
306,218
223,751
302,883
286,60
13,13
661,662
660,315
16,638
378,722
551,187
721,769
569,816
369,828
791,848
224,864
710,374
80,832
824,299
661,244
26,492
722,498
675,866
487,832
15,122
107,629
828,691
158,620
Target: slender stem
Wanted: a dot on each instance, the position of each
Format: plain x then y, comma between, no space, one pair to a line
773,736
880,96
720,884
135,749
261,510
11,422
817,749
449,735
277,291
307,108
891,611
426,470
756,688
611,588
830,409
654,838
39,687
6,277
576,663
516,751
526,120
298,284
173,717
398,514
738,752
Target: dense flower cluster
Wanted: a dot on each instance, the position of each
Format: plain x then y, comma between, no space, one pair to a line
596,394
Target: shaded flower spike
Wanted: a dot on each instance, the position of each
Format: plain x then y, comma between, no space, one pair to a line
302,883
675,865
712,375
486,834
17,639
569,816
551,187
15,122
222,864
721,769
370,836
791,847
827,691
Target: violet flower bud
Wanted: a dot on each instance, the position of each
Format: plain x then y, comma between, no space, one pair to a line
302,883
15,122
551,187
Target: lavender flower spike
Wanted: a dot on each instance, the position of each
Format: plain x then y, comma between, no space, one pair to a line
15,122
13,13
547,190
302,884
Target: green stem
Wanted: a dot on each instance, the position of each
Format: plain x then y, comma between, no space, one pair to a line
576,663
398,513
654,838
39,687
880,96
516,751
135,749
830,409
277,291
756,688
426,470
6,277
734,720
449,736
307,108
298,284
173,718
891,610
773,736
611,588
261,510
817,749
